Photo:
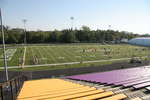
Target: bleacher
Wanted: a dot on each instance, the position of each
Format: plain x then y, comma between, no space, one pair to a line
58,89
133,77
126,84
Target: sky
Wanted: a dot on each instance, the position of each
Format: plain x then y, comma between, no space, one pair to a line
123,15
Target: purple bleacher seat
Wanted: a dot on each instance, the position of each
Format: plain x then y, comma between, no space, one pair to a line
136,82
141,85
131,80
118,77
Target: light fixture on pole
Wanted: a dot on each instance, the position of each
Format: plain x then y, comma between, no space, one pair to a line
71,18
109,27
4,52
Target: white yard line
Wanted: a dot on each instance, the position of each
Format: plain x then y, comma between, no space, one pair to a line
68,63
9,53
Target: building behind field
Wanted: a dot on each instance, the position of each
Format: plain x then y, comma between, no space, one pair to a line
143,41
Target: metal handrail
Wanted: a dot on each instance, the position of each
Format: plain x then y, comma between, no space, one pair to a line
9,90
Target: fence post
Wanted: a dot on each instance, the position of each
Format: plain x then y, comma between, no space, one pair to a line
1,89
11,90
16,85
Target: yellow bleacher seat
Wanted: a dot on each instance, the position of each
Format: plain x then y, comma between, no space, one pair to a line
115,97
78,95
62,94
95,96
51,88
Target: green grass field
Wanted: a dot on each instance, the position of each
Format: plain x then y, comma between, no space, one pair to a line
72,53
50,54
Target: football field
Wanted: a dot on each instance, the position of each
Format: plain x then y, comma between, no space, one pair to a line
53,54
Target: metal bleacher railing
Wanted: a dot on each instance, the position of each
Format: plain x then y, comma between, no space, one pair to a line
10,89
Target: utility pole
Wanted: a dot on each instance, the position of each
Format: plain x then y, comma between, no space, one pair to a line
4,51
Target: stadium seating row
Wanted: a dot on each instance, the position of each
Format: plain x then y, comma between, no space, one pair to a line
58,89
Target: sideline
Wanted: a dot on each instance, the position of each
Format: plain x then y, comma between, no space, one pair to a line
69,63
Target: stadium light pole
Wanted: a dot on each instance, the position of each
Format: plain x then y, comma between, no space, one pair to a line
25,42
109,27
25,37
4,52
71,18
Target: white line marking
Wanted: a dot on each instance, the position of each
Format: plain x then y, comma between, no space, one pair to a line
9,54
24,57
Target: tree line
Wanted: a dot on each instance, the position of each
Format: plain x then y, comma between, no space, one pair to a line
83,35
